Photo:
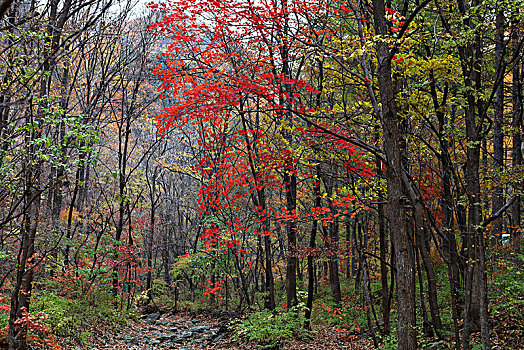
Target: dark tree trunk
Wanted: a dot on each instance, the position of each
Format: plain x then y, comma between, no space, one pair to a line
21,293
311,257
270,283
347,223
475,306
449,241
332,240
290,181
260,201
32,172
393,146
150,235
498,135
516,153
383,246
123,144
354,257
422,243
426,327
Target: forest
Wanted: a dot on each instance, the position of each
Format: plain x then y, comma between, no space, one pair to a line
269,174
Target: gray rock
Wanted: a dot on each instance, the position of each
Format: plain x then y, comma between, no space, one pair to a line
210,336
435,346
217,339
152,318
168,337
177,340
185,335
200,329
155,316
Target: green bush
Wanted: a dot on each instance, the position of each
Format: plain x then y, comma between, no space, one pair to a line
271,329
74,317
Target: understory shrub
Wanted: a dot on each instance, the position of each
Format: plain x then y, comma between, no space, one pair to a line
272,329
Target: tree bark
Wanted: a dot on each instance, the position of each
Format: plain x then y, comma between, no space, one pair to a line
290,183
475,308
396,193
516,153
310,257
332,240
383,246
498,135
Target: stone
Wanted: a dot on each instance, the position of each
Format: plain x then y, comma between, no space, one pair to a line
177,340
200,329
167,337
185,335
217,339
152,318
210,336
435,346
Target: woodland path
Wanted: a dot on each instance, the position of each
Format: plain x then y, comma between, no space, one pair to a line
155,331
188,332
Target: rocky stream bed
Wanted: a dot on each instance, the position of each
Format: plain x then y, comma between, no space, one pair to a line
155,331
207,331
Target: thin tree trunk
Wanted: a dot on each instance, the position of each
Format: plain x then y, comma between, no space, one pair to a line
516,153
310,257
475,277
423,248
498,135
20,296
385,304
260,201
290,182
332,241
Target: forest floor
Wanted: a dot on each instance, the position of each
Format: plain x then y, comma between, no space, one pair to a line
192,331
200,331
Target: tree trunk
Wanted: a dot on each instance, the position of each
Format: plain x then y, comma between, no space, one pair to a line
32,171
383,246
422,244
260,201
332,240
311,257
498,135
475,308
449,241
516,153
151,233
290,183
397,196
21,293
